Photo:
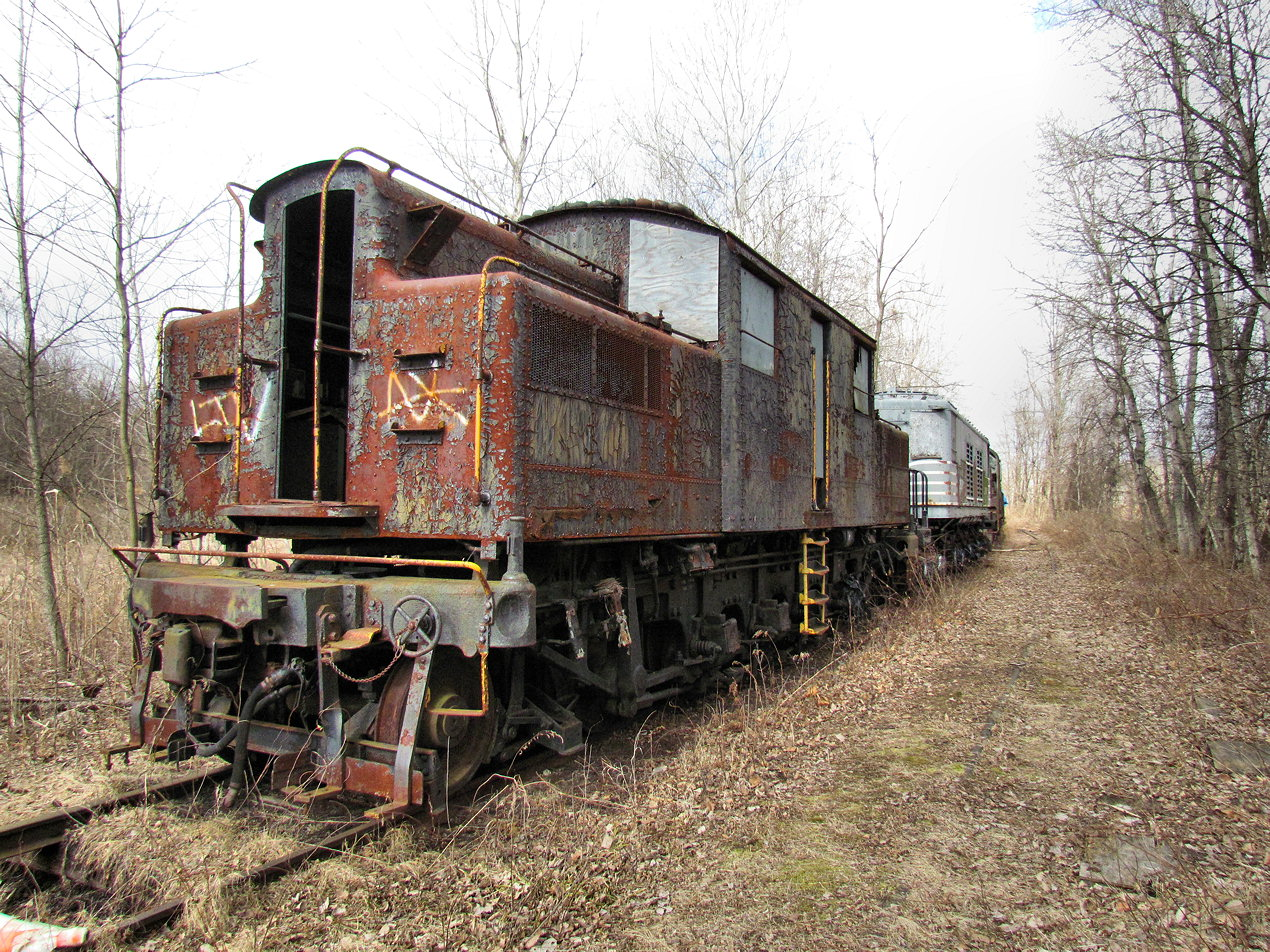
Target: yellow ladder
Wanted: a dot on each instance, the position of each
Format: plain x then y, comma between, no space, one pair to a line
814,598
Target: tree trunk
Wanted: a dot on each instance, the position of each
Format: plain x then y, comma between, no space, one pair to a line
31,358
123,290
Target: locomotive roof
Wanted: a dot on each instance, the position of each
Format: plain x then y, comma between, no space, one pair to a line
261,195
676,210
922,400
917,399
620,204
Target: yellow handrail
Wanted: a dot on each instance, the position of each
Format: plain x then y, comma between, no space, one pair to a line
240,397
473,567
480,360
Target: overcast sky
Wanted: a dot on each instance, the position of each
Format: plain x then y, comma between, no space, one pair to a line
958,88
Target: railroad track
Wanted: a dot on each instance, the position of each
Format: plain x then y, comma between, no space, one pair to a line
39,844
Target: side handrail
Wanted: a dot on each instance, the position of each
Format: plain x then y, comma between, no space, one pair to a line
283,557
240,365
159,392
919,496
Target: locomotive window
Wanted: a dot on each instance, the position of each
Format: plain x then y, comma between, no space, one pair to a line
758,323
862,378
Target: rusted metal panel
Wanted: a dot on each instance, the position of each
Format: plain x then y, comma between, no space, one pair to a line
290,601
618,425
235,603
197,423
300,510
412,406
371,779
624,431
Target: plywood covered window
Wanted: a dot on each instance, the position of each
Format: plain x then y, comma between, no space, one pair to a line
758,323
674,272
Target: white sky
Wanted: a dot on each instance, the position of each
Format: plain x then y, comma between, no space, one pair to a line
960,87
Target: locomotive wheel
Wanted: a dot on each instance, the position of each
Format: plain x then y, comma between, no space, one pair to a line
462,744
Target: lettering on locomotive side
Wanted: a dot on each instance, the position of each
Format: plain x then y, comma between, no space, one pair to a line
412,399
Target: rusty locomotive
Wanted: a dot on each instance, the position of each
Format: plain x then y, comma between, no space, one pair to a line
452,481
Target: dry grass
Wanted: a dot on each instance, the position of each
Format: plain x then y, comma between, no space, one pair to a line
933,787
858,801
1192,600
92,587
54,724
146,855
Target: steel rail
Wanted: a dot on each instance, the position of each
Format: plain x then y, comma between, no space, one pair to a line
49,829
265,872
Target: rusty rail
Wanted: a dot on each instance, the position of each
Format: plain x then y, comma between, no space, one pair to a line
49,829
265,872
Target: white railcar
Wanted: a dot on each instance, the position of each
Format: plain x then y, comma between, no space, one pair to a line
955,476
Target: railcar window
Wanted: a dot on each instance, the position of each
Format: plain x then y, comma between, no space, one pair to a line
862,378
758,323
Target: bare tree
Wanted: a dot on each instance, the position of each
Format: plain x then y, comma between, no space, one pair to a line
31,227
724,134
111,41
1060,437
1168,250
508,110
899,302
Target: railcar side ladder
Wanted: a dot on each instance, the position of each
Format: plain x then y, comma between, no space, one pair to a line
814,597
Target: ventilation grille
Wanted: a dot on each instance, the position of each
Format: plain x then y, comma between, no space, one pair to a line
579,359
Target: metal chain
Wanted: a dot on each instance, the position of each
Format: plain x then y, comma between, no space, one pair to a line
487,622
330,660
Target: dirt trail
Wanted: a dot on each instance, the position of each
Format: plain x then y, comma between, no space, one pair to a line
948,785
938,789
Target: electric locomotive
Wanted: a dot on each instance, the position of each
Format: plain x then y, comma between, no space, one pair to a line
452,482
955,475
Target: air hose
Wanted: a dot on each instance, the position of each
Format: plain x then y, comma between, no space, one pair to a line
263,693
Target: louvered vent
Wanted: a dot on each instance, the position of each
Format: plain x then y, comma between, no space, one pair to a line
573,357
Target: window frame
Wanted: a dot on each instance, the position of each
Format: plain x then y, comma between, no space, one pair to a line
862,348
772,350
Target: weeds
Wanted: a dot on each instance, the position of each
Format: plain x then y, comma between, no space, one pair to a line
92,590
1195,602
